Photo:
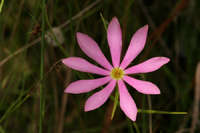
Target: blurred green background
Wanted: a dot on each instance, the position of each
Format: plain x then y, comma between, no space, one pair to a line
32,78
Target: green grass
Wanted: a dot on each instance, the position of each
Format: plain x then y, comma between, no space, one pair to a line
33,79
1,5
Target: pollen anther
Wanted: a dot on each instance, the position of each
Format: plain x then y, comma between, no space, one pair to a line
117,73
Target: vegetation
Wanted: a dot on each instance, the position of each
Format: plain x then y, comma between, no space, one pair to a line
36,35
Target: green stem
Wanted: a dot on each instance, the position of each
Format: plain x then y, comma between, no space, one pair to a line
105,23
115,103
150,115
54,36
136,127
19,101
1,5
42,68
130,125
160,112
144,127
1,130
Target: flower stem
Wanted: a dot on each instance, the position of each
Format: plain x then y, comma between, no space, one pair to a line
115,103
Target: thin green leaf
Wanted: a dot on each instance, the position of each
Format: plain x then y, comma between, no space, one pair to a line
105,23
160,112
1,130
1,5
42,99
136,127
115,103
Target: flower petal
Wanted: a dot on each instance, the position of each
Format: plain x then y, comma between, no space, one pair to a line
82,86
99,98
144,87
135,47
81,64
92,50
127,104
114,36
149,65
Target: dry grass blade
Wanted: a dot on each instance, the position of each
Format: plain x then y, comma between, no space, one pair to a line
107,120
78,15
195,115
155,36
153,26
20,51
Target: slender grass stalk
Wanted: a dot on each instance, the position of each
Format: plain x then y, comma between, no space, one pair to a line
1,5
1,130
150,115
136,127
144,125
15,105
105,22
24,96
130,126
42,100
115,102
54,36
160,112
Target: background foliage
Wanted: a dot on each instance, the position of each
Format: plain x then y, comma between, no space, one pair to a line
32,78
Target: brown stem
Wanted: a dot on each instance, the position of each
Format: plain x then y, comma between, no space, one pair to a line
155,36
107,118
195,115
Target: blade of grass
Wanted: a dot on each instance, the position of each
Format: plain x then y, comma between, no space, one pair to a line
1,5
28,45
1,130
54,36
42,100
160,112
115,103
136,127
130,126
144,125
155,111
105,23
195,114
150,115
20,100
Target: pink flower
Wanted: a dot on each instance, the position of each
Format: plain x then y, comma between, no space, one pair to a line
116,73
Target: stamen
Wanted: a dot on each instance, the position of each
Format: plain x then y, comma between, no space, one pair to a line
117,73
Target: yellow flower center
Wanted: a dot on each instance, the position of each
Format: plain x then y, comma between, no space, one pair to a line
117,73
